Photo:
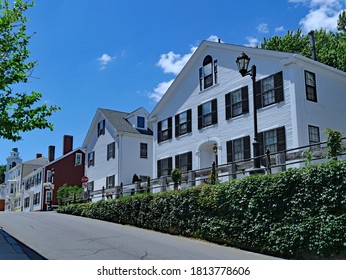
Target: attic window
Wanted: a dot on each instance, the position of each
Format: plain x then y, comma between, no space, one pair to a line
208,73
141,122
101,128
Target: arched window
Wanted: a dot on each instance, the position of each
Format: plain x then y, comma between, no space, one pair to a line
13,164
208,73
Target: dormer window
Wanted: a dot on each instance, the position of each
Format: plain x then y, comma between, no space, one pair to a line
140,122
208,73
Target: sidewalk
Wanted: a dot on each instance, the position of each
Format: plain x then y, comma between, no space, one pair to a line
9,248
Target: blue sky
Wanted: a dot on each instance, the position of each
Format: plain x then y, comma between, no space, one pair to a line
122,55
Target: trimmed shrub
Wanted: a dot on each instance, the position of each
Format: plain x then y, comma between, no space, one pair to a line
297,214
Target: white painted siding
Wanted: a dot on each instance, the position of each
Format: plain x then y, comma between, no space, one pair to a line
295,113
102,167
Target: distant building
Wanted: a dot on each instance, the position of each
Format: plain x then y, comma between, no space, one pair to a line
118,146
14,197
210,104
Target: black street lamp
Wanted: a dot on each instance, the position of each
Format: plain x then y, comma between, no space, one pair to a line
243,64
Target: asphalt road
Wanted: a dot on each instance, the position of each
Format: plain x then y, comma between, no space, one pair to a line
64,237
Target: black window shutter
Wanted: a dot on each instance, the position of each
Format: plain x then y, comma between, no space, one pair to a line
159,132
170,128
258,94
200,78
169,165
260,139
177,125
177,162
229,145
189,115
98,129
281,138
104,127
189,161
228,106
279,89
214,111
215,71
159,168
200,116
247,148
245,100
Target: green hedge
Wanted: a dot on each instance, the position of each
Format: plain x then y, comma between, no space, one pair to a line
297,214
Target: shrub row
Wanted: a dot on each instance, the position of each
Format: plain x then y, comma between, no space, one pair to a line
297,214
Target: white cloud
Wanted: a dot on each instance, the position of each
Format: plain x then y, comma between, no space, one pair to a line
173,63
279,29
322,14
104,60
253,42
160,90
263,28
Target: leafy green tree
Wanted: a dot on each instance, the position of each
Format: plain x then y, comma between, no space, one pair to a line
18,110
68,191
342,22
334,143
2,173
330,46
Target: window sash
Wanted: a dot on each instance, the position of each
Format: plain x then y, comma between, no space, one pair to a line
140,122
111,150
270,141
143,150
314,134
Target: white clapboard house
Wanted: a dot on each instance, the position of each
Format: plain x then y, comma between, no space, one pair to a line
210,105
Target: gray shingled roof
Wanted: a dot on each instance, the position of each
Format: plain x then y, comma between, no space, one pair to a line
119,122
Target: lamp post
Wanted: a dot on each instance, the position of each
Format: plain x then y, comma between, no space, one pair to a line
243,64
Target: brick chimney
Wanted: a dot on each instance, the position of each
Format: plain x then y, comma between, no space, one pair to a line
38,155
51,153
67,144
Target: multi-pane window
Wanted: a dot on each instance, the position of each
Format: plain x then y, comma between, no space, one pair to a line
237,103
208,74
314,135
184,161
269,90
310,86
207,114
90,186
143,150
164,167
268,94
91,159
111,151
270,140
274,140
110,181
48,197
164,129
183,123
238,149
140,122
78,159
101,128
49,176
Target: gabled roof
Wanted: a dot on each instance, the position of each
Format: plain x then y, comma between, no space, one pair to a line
37,161
284,56
119,121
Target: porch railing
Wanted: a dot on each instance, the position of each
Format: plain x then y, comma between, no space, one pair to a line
270,163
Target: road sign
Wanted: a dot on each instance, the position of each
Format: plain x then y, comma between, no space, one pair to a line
85,179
